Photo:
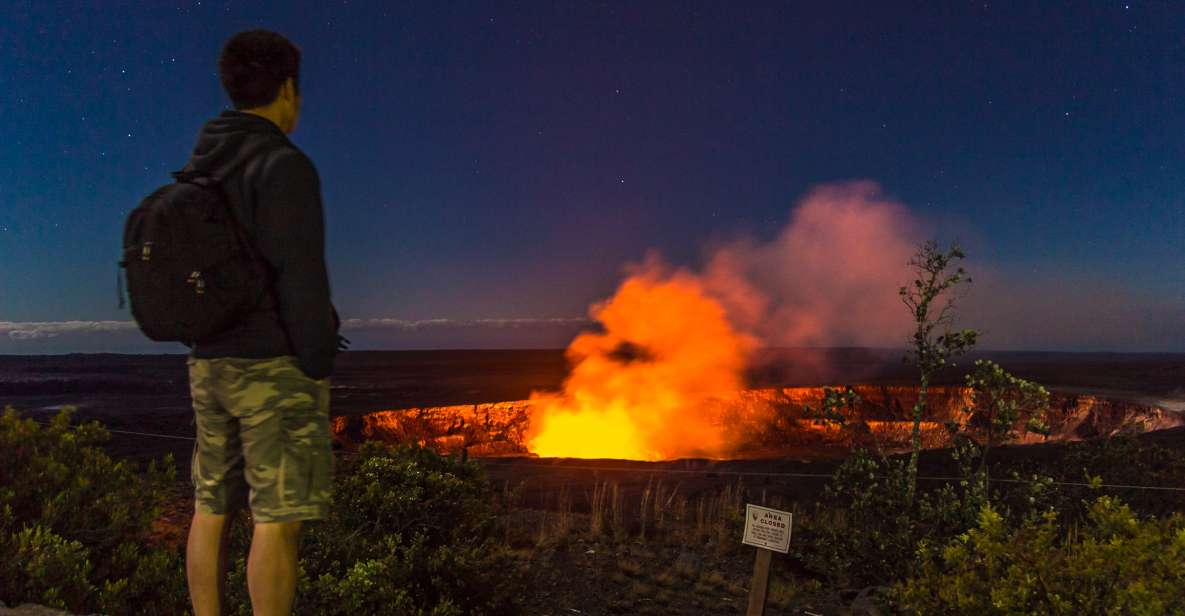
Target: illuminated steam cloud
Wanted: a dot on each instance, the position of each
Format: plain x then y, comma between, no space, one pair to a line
829,278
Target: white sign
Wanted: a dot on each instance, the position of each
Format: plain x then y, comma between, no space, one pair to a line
767,528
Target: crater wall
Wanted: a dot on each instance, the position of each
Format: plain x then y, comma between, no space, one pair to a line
764,422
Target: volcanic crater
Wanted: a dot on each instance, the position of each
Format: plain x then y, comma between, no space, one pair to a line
763,423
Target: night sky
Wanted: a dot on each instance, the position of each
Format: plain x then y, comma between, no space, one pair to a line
489,161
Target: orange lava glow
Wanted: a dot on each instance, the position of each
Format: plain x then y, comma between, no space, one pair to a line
636,390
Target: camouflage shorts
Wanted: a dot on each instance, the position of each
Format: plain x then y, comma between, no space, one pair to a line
263,439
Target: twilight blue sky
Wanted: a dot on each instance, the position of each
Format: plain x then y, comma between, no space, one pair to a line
489,161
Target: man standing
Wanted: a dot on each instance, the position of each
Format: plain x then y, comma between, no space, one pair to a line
261,389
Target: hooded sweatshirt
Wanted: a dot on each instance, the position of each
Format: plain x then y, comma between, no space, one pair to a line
275,192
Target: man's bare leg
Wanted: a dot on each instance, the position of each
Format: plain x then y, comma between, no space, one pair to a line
206,561
271,568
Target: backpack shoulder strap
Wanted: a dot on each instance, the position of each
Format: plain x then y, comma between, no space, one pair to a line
213,180
188,175
210,181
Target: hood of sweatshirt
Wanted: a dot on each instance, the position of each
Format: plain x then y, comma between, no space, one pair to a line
229,140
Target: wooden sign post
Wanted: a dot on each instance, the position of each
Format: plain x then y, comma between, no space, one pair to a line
768,530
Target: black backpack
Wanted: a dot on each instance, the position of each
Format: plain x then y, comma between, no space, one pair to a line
191,269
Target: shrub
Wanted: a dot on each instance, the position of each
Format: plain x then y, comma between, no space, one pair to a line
1119,460
1000,402
1126,460
865,528
1112,564
43,567
410,532
152,579
74,523
57,475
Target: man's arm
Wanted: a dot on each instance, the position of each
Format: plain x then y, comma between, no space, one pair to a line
290,232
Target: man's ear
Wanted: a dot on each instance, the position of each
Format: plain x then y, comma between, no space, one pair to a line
286,92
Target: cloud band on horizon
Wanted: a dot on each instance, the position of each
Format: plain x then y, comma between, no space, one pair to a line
79,336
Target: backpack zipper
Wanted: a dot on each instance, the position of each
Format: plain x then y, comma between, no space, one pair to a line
199,283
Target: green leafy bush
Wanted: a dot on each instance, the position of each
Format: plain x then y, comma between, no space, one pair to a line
865,529
410,532
1112,564
1127,460
74,524
1124,459
42,566
1001,401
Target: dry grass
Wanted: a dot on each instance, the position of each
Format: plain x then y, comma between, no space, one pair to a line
686,569
712,580
660,507
640,589
557,522
655,549
785,592
629,566
606,510
666,579
661,514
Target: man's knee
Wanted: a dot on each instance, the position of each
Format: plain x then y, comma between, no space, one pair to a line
286,531
208,521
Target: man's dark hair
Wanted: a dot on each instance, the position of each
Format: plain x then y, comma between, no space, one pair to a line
253,66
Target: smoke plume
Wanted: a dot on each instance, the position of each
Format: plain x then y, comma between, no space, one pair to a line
830,277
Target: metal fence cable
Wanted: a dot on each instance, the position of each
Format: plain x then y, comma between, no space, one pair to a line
626,469
827,476
173,436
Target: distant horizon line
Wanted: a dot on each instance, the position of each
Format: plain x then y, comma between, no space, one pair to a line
563,349
123,337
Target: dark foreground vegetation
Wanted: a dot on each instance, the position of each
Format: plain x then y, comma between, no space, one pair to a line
412,532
